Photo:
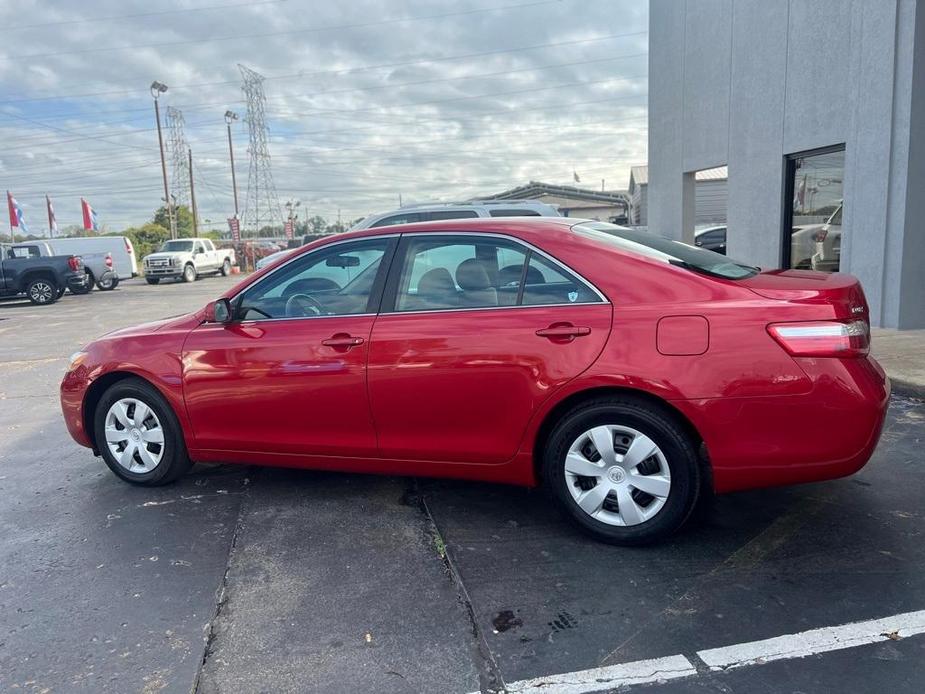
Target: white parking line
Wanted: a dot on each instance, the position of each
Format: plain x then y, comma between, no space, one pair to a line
814,641
610,677
799,645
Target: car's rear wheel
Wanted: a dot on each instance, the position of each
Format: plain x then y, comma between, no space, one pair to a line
152,280
226,268
189,274
623,470
138,434
42,291
108,283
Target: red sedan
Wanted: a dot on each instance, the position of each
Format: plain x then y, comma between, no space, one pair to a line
626,373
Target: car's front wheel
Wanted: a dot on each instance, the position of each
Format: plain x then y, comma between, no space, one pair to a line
138,434
623,470
189,274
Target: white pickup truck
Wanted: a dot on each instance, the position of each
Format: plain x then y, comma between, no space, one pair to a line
186,259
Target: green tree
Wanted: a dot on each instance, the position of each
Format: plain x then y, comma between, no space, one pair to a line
184,220
316,224
147,238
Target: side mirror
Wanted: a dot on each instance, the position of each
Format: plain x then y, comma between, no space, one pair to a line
221,311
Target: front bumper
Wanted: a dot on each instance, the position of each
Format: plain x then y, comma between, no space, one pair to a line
73,389
164,271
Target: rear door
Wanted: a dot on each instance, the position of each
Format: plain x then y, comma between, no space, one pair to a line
477,330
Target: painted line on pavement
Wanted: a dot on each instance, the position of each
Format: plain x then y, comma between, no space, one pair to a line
788,646
814,641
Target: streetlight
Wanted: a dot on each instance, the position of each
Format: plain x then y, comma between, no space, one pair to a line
158,88
230,117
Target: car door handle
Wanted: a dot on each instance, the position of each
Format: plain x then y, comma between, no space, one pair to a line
343,340
565,331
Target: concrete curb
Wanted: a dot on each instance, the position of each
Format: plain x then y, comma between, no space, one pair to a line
907,389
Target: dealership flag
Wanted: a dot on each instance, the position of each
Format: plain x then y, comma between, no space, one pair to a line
52,222
17,218
89,216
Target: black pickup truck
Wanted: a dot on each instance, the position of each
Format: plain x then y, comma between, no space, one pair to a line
42,280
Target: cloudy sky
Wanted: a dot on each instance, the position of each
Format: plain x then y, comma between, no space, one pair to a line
366,99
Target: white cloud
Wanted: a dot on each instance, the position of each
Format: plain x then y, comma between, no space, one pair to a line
357,114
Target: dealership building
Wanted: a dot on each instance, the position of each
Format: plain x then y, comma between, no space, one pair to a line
817,109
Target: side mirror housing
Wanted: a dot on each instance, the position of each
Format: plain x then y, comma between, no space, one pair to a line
219,311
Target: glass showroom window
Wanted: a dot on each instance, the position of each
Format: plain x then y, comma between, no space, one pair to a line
813,209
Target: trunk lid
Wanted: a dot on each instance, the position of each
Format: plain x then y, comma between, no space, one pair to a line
840,290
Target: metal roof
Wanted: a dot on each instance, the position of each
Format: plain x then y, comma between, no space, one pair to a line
640,174
537,188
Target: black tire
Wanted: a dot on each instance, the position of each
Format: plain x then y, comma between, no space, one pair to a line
42,291
108,287
189,273
86,287
175,460
226,268
680,453
152,280
61,291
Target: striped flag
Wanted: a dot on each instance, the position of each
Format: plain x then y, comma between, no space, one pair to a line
52,222
17,219
90,223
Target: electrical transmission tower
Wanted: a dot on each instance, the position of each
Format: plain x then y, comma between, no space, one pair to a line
261,205
179,161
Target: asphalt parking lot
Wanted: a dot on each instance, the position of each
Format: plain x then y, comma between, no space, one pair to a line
240,579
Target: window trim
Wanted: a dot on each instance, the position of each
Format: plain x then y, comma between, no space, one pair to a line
789,187
390,294
376,291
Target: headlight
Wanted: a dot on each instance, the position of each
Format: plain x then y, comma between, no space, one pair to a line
174,261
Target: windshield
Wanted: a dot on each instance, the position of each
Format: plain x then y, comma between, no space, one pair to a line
674,252
176,247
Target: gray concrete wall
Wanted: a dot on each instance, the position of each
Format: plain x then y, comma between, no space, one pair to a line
747,82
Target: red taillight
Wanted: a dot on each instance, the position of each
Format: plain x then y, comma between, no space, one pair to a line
73,262
128,246
823,338
109,260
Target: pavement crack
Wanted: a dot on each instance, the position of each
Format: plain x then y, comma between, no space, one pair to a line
490,679
221,594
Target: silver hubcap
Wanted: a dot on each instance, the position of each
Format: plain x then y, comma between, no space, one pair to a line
134,435
617,475
42,291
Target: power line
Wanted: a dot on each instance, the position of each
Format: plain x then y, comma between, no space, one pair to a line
113,18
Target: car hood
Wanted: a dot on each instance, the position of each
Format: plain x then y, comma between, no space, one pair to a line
185,320
166,255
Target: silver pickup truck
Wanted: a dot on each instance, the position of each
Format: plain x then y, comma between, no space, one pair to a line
97,266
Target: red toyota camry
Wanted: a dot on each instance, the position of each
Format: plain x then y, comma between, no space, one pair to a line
626,373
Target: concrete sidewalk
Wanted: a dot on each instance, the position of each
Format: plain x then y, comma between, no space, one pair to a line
902,354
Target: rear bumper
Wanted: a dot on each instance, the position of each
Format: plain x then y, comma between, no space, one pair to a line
829,432
76,280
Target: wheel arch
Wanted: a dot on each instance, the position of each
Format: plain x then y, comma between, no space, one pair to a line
589,394
95,393
38,273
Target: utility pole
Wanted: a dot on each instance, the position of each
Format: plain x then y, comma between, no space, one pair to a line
231,116
158,88
192,195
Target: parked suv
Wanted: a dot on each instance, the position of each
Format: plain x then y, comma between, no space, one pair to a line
186,259
431,212
43,280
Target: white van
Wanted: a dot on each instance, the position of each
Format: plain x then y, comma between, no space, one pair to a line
123,255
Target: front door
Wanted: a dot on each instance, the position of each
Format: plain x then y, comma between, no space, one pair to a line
477,332
288,375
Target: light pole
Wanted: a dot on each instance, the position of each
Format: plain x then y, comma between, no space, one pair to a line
158,88
291,207
230,117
